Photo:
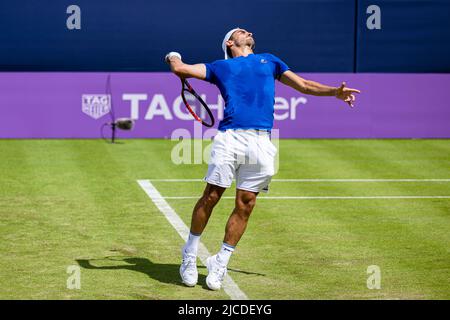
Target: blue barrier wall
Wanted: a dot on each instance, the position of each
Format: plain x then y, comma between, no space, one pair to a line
415,37
310,35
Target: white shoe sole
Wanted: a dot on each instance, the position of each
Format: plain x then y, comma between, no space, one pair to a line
188,284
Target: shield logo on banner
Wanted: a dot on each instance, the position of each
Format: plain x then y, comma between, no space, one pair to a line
96,105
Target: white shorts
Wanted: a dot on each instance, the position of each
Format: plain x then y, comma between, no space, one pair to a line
247,155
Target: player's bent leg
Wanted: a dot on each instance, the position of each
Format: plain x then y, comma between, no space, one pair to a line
252,176
205,205
237,223
200,217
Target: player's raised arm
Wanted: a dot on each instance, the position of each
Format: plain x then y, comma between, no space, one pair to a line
314,88
184,70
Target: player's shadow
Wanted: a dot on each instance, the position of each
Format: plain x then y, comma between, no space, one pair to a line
167,273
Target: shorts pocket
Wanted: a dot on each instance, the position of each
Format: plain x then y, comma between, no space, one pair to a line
271,147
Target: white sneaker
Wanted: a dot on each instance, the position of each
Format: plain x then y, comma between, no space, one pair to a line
216,273
188,269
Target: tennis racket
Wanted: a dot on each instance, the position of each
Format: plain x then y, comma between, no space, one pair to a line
195,105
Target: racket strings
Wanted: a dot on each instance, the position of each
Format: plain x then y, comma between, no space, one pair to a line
198,108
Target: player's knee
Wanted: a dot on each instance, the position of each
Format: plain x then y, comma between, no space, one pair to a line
212,195
245,206
211,198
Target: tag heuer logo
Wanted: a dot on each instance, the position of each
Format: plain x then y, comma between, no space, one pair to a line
96,105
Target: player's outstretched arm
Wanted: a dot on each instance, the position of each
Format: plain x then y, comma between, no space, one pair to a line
343,93
184,70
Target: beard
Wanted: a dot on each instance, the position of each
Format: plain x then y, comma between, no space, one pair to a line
248,42
251,43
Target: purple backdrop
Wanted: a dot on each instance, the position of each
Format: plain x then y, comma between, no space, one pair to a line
72,105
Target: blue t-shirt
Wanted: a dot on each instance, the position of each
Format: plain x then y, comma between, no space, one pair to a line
247,85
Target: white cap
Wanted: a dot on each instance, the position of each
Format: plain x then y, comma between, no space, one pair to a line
227,37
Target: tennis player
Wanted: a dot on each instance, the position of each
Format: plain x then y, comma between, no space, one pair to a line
242,148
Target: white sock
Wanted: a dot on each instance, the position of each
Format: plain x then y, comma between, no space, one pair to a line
191,245
224,254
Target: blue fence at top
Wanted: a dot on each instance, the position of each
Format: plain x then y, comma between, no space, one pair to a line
415,37
310,35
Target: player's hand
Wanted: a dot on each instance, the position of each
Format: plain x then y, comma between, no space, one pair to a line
170,55
346,94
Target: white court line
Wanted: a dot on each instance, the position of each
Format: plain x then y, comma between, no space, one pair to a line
323,197
229,286
320,180
361,180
